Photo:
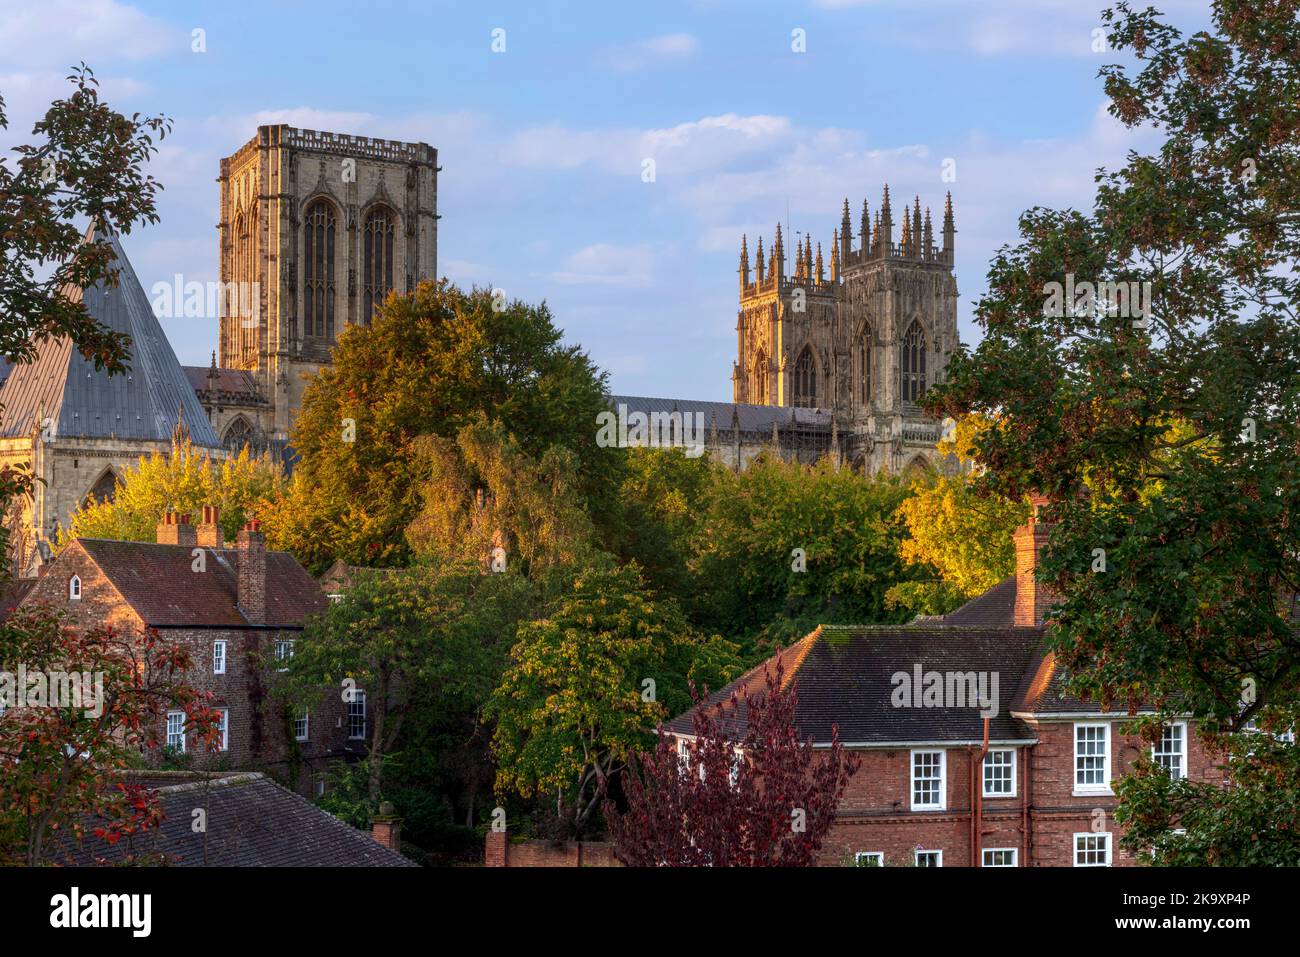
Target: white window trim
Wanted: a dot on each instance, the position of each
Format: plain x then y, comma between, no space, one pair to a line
225,648
943,780
225,728
181,715
360,696
917,852
1074,847
878,855
74,588
1090,789
1015,768
1182,754
1015,856
306,724
278,657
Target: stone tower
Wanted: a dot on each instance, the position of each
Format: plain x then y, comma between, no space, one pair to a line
862,339
316,229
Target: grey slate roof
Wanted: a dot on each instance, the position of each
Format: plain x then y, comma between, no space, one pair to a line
747,417
996,608
844,677
251,822
80,400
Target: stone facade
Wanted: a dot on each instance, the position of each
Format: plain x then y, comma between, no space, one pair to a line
863,341
315,229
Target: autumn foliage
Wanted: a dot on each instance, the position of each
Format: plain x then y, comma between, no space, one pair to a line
761,797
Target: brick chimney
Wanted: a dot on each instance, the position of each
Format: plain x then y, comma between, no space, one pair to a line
1032,598
386,827
250,559
209,530
176,530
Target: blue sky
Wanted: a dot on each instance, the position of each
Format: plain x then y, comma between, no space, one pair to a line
542,145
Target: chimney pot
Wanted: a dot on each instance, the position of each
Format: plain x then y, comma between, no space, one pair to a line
209,530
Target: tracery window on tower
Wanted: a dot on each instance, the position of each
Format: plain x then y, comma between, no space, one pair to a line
912,366
319,229
804,384
238,435
864,368
759,395
104,489
377,259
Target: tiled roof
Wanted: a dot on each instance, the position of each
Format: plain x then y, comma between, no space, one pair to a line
237,382
12,593
844,677
80,400
251,822
993,609
726,415
159,584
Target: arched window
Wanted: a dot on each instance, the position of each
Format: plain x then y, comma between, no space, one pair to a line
760,379
238,435
318,269
74,588
104,489
913,363
377,260
864,368
805,380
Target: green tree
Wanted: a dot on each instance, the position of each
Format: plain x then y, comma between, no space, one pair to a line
241,487
430,364
585,686
965,537
785,546
415,640
1167,434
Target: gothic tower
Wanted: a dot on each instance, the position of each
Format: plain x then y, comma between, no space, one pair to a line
316,228
864,342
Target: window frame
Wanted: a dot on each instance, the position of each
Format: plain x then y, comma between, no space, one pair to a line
1012,770
183,746
358,697
74,588
878,855
1157,753
1013,851
918,851
1109,847
1105,786
942,804
221,658
224,727
305,721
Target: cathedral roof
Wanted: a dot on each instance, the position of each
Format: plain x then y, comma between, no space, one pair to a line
742,415
61,385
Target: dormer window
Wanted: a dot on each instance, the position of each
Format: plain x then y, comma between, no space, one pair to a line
74,588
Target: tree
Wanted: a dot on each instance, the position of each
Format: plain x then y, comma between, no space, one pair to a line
786,546
763,798
585,686
951,528
430,364
58,757
86,166
407,638
485,493
1163,417
241,487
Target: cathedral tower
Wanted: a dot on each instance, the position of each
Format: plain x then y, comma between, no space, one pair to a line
316,229
863,343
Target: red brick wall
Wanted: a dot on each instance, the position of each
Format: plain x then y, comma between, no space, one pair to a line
501,851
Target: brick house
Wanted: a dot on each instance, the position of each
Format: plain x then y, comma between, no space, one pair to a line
239,610
940,785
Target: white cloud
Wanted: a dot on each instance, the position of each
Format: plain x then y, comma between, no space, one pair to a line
641,54
76,30
604,264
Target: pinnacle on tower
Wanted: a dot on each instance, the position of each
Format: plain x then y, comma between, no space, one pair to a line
948,230
886,226
906,241
866,231
807,256
916,226
846,233
778,254
758,260
927,242
835,256
744,261
821,272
